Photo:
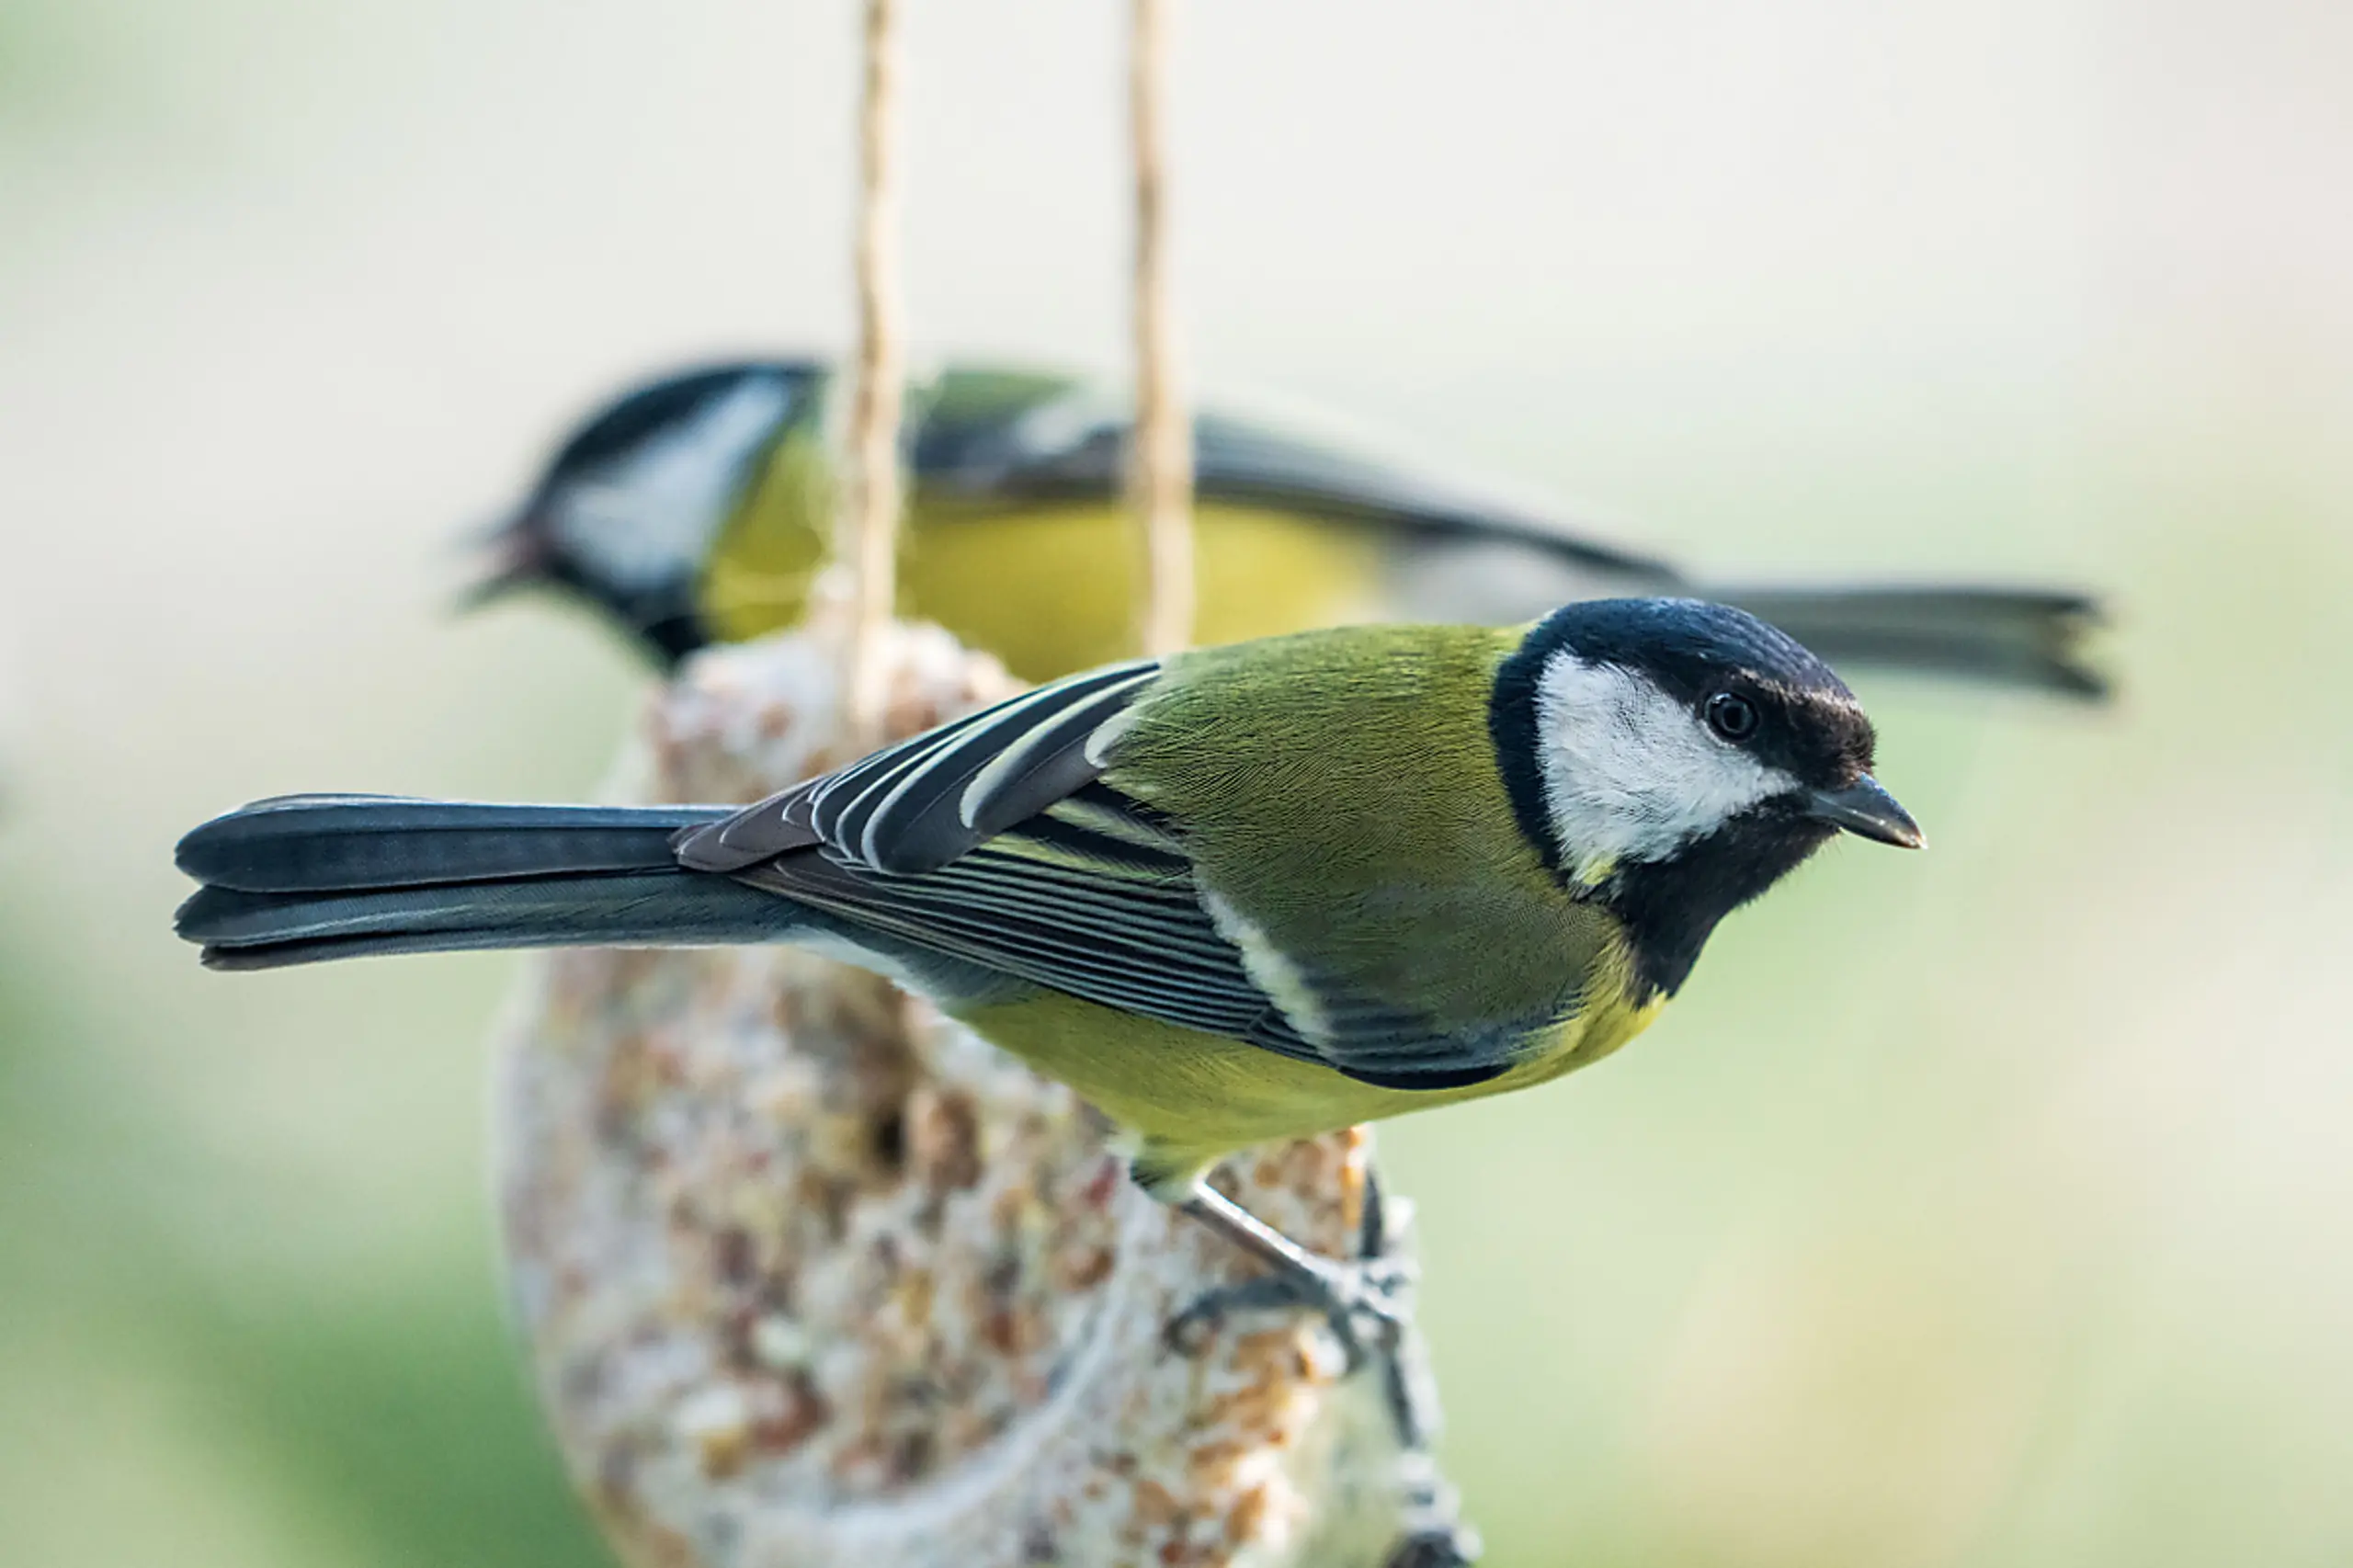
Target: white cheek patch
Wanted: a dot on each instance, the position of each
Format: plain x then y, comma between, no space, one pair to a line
637,518
1631,774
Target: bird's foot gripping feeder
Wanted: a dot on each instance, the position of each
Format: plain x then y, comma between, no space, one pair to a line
811,1276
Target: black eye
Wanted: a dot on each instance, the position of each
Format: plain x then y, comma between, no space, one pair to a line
1732,716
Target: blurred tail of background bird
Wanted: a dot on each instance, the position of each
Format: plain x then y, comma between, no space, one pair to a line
2022,637
695,509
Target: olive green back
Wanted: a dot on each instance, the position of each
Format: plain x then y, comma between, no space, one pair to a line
1341,793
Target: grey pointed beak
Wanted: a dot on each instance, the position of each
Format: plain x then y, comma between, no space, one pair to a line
513,554
1869,812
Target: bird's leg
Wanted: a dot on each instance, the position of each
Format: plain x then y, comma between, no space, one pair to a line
1367,1303
1435,1535
1364,1302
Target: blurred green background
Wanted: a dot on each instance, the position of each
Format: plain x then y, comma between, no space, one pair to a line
1982,1208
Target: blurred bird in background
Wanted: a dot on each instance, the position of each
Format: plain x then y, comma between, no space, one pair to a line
697,509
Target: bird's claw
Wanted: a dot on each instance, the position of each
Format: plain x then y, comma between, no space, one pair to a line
1367,1305
1447,1548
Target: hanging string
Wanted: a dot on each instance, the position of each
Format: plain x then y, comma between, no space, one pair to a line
867,526
1160,452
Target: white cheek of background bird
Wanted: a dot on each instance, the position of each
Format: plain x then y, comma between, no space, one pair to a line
635,518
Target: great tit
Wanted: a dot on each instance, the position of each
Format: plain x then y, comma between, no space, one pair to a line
1238,895
695,509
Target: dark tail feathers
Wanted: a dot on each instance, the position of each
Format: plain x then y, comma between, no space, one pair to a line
306,878
2019,637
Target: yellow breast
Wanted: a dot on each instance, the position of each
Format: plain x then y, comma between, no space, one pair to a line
1054,590
1192,1098
1049,589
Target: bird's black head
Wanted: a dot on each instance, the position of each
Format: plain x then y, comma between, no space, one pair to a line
634,501
1673,759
